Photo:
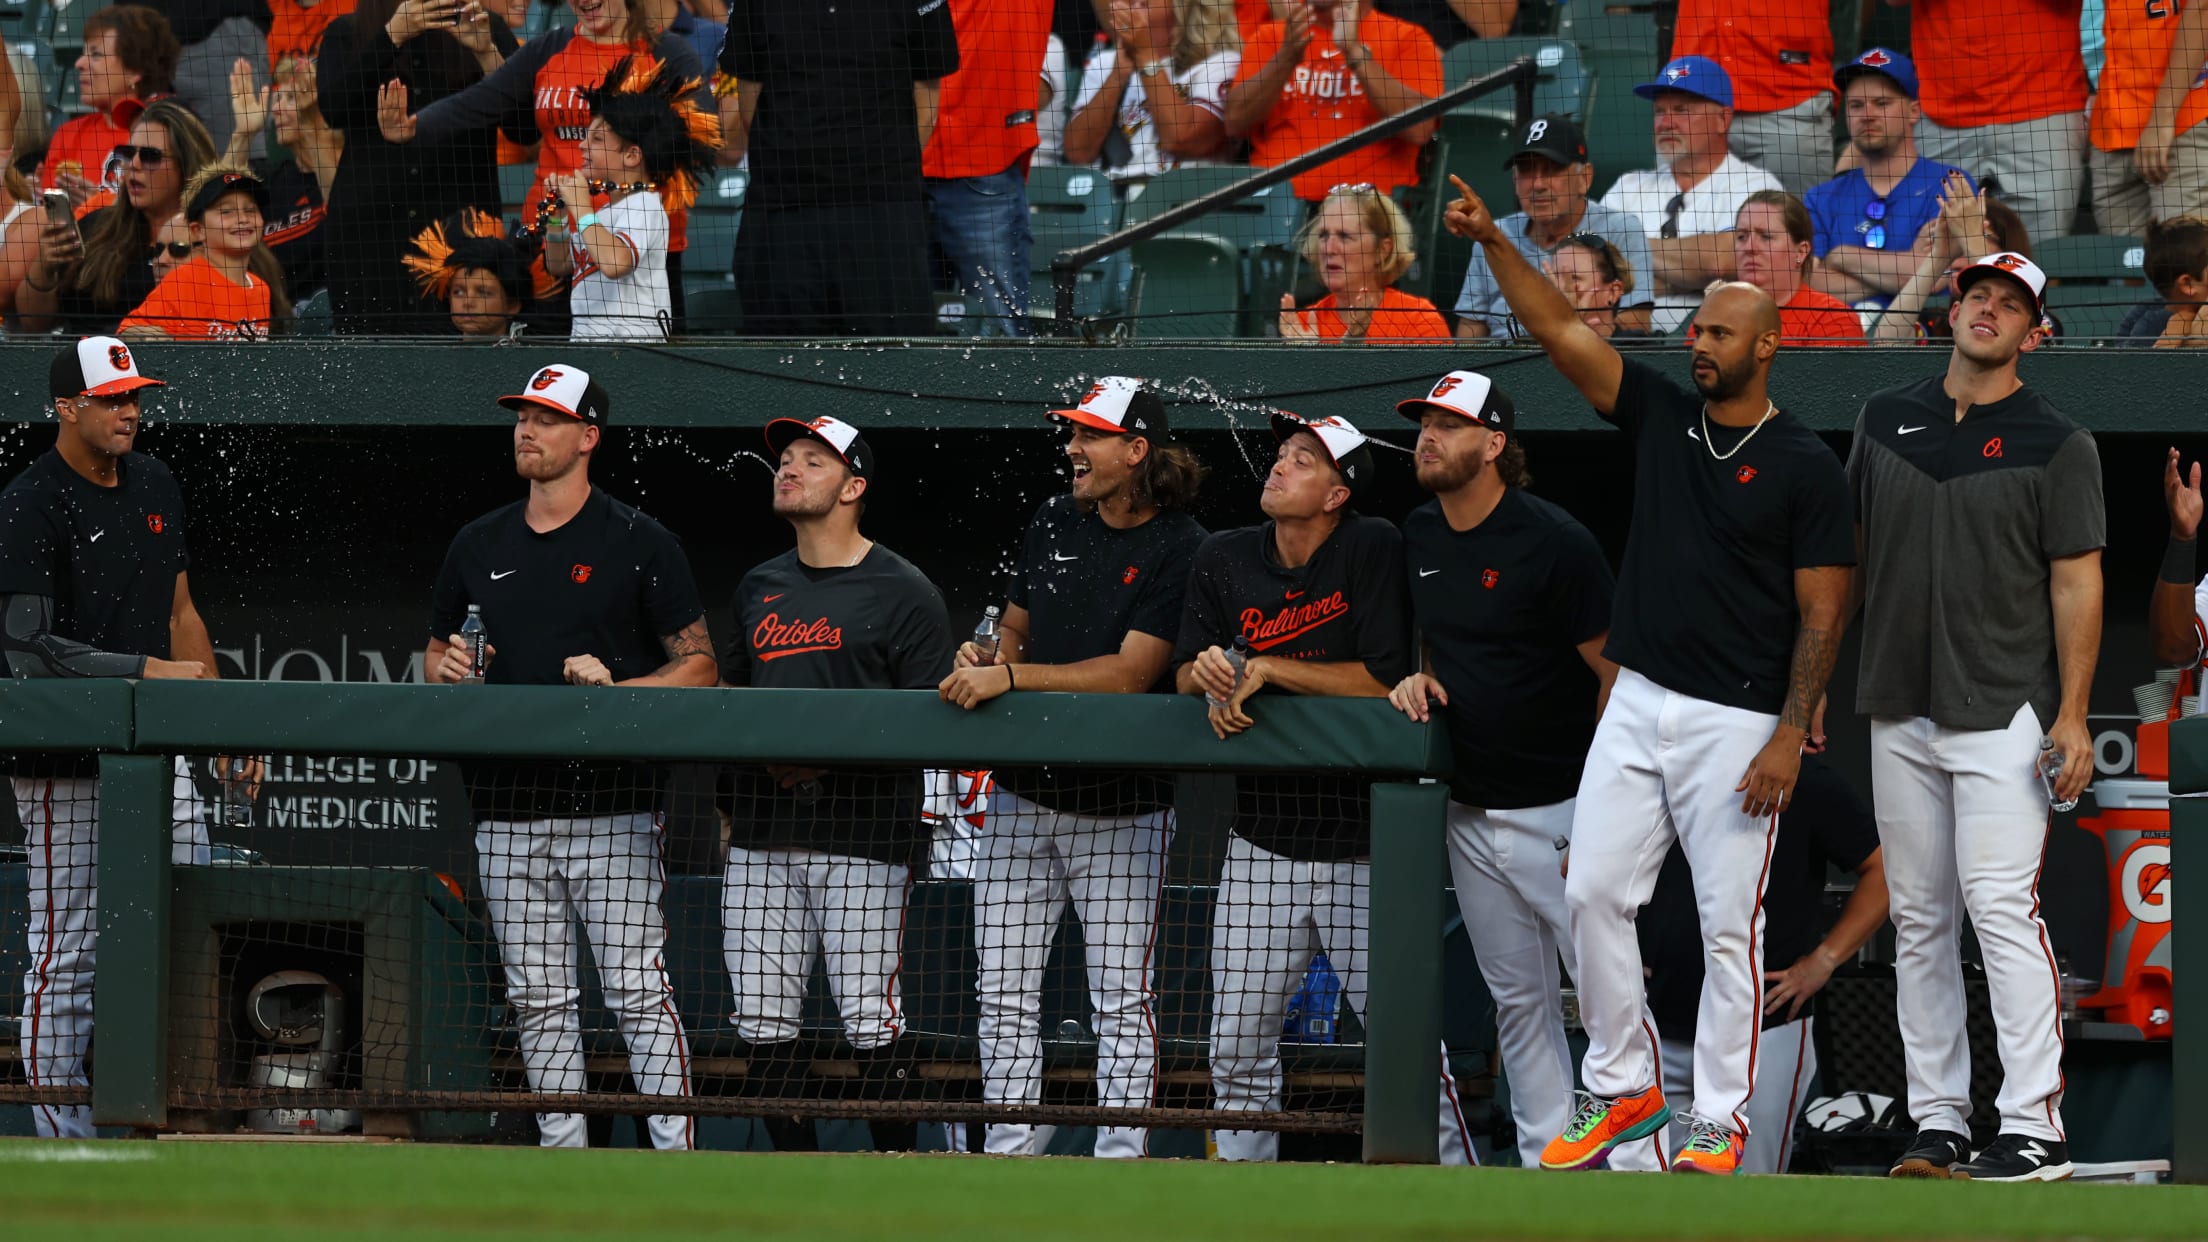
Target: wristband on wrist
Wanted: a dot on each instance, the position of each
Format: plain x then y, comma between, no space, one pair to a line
1010,683
589,218
2178,562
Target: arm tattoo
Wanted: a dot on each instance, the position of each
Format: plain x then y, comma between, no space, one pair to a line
1814,651
691,640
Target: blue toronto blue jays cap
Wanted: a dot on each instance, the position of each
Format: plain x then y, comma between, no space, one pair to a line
1696,75
1894,65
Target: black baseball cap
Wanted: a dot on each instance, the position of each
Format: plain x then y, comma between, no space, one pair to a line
97,366
1470,395
227,183
842,439
570,390
1557,136
1121,406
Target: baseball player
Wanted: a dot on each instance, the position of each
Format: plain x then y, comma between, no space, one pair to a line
1981,525
820,861
575,587
2177,618
1826,825
1317,592
1512,598
1726,622
1095,606
92,584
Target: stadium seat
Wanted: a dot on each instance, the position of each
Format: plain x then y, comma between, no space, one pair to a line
1476,153
1621,52
2092,257
714,221
2090,312
1068,207
21,19
1262,227
311,314
1563,84
713,310
514,181
1187,285
66,28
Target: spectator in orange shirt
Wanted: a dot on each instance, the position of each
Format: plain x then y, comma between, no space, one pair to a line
296,26
2003,92
232,289
974,167
129,60
1778,54
1774,247
1359,242
2150,151
1326,68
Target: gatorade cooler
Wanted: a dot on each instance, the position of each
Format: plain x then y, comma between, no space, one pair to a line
2133,824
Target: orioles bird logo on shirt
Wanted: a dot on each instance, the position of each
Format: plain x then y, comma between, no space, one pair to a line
545,379
118,357
154,523
1745,473
581,573
1128,578
1488,578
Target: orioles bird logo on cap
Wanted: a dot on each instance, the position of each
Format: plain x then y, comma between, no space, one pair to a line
1442,389
118,357
2008,263
1093,394
545,379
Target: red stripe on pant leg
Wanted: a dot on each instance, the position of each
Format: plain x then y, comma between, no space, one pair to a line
1456,1109
44,966
1149,947
2054,974
1755,973
1793,1100
1656,1058
904,907
666,986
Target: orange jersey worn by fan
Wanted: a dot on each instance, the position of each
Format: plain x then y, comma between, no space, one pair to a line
295,29
214,296
1399,317
985,115
1778,54
1323,97
2143,39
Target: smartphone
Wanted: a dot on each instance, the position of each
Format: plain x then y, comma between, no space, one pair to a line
61,209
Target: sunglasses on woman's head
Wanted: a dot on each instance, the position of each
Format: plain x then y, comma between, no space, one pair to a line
1356,187
148,157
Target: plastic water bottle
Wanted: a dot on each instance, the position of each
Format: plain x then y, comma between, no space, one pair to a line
478,642
237,796
989,635
1238,656
2050,775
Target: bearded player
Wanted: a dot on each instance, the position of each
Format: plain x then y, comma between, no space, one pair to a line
1317,593
820,859
1512,598
1727,618
580,589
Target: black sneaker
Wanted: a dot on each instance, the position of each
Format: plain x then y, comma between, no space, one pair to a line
1932,1154
2015,1158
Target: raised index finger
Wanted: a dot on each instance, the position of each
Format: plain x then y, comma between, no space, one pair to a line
1464,192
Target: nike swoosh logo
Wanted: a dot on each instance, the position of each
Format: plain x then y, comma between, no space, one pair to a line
1428,573
768,599
1902,431
1054,556
508,574
1294,594
96,536
1692,434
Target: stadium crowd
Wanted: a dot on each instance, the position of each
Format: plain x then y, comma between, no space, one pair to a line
882,151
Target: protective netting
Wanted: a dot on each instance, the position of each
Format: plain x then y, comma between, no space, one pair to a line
444,948
891,168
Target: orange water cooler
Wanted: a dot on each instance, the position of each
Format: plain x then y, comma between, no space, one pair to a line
2133,823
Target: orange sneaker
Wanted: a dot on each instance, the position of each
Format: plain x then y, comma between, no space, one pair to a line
1710,1148
1601,1124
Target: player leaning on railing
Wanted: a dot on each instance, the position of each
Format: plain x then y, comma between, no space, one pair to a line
1094,606
817,857
92,584
575,587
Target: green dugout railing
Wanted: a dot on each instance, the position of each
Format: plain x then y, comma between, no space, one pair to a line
2189,952
133,727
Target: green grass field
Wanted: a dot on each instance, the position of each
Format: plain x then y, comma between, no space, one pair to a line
228,1191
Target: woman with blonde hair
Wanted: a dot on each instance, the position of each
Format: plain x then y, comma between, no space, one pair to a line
1359,243
1157,98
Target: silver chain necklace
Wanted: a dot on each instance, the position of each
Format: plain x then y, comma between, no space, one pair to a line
1769,408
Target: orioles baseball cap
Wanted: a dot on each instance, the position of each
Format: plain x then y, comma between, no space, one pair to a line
842,439
1556,136
1119,405
97,366
1469,394
1695,75
1345,445
570,390
1897,67
217,187
2012,265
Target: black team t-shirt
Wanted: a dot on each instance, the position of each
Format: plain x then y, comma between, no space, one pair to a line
1706,602
876,625
1344,605
1502,608
107,556
611,583
1085,585
1827,825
